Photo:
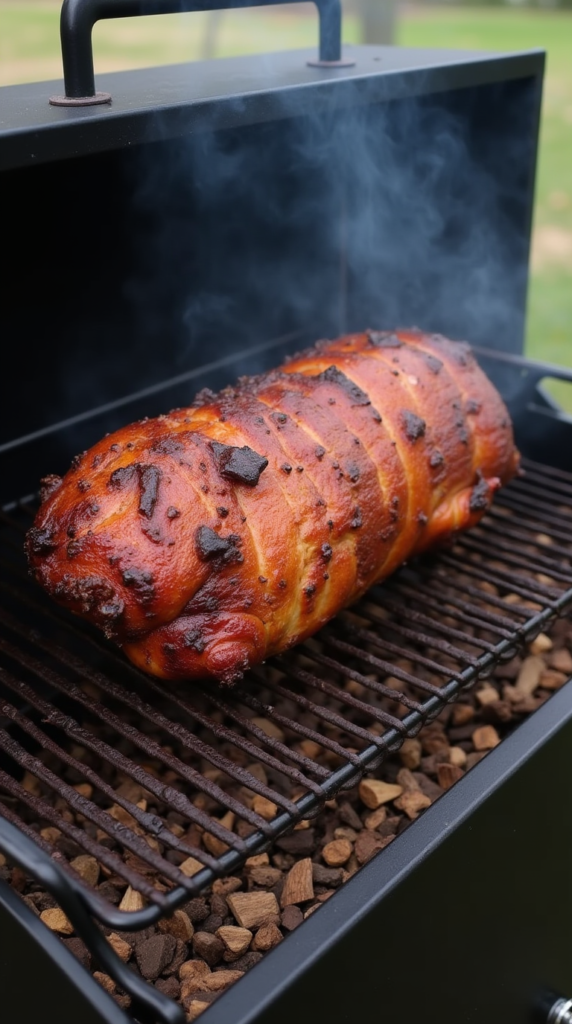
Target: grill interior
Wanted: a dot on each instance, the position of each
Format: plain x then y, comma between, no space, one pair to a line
170,786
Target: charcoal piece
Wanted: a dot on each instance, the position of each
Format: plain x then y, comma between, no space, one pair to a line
212,923
170,987
331,878
389,826
209,947
244,963
218,906
301,843
154,954
79,949
350,817
291,917
108,892
197,909
180,955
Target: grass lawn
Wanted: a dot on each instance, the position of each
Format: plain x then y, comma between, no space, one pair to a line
29,50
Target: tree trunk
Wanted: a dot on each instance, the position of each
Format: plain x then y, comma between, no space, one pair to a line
378,19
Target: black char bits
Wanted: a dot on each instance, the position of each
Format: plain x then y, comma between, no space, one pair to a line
149,478
335,376
243,465
383,339
480,494
210,545
413,425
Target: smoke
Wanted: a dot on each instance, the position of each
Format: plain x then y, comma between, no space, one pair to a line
351,214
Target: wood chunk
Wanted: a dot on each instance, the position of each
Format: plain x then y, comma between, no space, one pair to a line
373,792
486,695
462,714
132,900
258,861
457,756
224,886
541,644
212,843
84,789
267,809
529,676
56,921
87,868
346,833
376,818
449,774
485,738
154,954
192,975
219,980
552,680
310,749
208,946
191,866
412,802
299,884
179,925
270,728
561,660
105,981
119,946
410,753
253,909
369,843
434,743
50,834
193,970
195,1008
335,854
291,917
267,937
236,941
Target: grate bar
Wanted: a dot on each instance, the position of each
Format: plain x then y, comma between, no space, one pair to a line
151,823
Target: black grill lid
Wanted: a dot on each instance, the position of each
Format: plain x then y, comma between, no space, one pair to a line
155,104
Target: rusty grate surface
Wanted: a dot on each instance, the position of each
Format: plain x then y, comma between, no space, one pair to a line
169,786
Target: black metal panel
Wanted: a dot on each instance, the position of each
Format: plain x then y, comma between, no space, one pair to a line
161,103
464,918
39,979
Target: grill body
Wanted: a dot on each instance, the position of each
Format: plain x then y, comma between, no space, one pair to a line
188,234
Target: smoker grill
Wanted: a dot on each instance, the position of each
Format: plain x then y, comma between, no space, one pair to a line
183,219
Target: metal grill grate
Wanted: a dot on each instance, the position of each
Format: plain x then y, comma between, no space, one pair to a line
170,786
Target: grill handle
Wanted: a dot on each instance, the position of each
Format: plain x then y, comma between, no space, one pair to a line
79,16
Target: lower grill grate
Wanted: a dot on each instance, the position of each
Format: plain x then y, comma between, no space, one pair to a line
169,785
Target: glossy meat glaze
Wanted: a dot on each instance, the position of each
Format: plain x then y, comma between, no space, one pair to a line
206,540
